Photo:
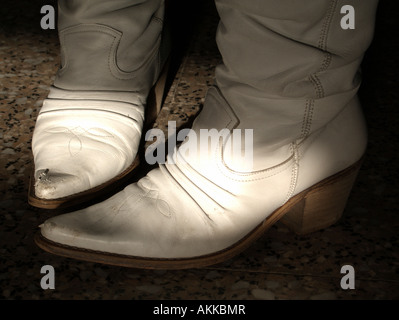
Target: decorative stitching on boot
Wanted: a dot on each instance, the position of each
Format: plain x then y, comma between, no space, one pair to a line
116,36
75,144
322,44
120,74
307,118
84,29
317,85
314,78
326,62
294,172
326,25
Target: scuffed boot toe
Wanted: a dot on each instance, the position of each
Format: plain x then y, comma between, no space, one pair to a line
53,185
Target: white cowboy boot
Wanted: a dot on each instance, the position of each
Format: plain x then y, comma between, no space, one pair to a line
290,73
89,128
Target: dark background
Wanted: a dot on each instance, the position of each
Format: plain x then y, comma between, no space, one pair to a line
367,236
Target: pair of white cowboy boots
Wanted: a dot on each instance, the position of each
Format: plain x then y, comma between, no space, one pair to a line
290,75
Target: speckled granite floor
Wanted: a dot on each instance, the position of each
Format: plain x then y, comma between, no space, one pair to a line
280,265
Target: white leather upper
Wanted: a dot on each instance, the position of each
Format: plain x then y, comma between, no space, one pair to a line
84,142
290,73
194,208
89,128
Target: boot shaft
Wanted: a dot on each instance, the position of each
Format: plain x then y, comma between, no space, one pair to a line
110,45
288,66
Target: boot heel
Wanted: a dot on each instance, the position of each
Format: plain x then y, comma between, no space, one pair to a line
323,204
